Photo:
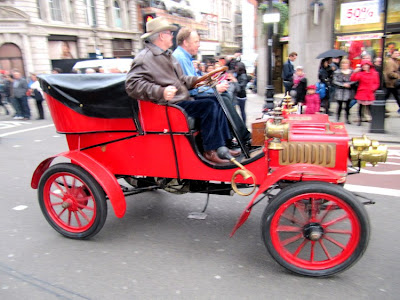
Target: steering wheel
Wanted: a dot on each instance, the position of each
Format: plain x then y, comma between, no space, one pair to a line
210,79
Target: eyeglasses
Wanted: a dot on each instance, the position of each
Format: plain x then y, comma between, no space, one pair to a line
169,33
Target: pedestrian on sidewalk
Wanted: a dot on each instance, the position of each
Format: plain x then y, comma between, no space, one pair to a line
288,71
312,100
241,96
299,85
19,92
2,92
343,91
368,83
37,94
325,75
391,75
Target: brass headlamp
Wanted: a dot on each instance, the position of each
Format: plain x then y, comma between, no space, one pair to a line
363,151
276,130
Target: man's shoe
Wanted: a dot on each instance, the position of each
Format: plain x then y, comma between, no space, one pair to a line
235,152
212,156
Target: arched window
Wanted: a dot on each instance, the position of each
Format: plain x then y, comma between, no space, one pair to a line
117,15
55,10
11,58
91,13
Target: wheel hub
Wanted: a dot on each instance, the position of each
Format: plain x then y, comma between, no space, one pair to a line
313,231
67,203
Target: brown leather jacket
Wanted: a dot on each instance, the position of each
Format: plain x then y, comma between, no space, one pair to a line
152,71
391,72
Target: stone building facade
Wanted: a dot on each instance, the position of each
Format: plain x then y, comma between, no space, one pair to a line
36,33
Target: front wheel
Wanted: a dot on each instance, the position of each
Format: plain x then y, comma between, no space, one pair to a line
72,201
315,229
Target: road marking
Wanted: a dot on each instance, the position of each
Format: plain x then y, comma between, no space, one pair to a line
11,124
20,207
25,130
372,190
393,172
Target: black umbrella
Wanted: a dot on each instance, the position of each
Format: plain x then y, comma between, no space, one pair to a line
332,53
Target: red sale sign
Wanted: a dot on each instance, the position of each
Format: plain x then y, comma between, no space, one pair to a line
359,13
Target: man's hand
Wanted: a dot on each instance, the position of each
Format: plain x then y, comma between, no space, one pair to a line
222,87
169,92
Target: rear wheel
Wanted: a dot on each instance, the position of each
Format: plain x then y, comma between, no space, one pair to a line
72,201
315,229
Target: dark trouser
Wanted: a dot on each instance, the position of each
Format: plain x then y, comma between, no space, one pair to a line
23,102
339,109
395,94
40,108
325,104
244,134
360,111
288,86
242,105
2,104
213,124
17,106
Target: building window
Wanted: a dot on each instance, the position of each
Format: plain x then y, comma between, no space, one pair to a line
55,10
91,13
71,11
122,48
108,12
117,15
39,10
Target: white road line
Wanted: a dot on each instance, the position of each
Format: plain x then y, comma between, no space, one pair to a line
20,207
393,172
372,190
25,130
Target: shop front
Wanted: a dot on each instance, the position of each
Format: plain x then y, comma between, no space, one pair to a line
364,28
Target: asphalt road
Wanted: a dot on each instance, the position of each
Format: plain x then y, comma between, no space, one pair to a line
156,252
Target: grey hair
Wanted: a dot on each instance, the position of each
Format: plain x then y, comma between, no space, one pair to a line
153,37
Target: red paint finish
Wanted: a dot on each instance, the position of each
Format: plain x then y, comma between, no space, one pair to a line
340,232
304,172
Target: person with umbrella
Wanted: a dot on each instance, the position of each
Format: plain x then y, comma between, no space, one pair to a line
325,75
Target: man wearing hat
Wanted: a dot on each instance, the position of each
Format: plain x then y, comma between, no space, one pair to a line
156,75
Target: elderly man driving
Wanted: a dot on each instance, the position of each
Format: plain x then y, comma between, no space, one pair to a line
157,76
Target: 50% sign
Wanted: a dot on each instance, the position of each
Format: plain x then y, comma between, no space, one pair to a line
359,13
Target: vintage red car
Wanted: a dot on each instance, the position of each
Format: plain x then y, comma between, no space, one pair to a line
311,225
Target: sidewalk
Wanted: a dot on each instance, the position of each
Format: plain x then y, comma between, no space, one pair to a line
255,104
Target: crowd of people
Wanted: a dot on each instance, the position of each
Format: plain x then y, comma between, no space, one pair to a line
339,81
15,90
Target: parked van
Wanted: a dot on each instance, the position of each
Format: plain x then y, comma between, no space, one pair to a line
111,65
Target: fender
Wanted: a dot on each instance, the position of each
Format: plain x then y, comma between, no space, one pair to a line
101,174
316,173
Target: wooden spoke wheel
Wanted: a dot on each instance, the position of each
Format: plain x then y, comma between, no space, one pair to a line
315,228
72,201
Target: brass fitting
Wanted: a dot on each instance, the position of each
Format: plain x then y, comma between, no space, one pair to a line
363,151
276,130
246,174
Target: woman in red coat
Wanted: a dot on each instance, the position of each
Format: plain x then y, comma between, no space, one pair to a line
368,83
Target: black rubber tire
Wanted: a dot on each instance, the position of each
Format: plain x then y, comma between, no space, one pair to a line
90,184
323,188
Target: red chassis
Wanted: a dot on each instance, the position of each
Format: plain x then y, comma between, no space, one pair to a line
142,141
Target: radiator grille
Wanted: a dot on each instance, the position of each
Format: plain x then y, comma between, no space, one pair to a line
322,154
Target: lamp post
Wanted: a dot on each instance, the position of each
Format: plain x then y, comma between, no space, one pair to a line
270,18
379,105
